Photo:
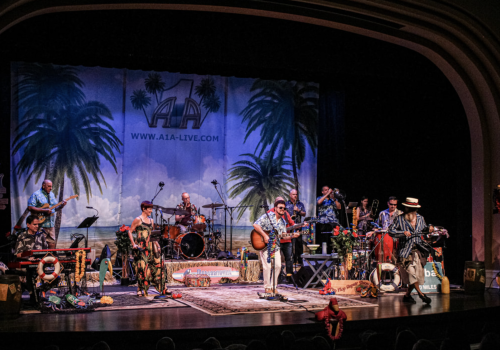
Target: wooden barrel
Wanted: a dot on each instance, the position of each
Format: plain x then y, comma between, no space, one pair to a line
474,277
10,296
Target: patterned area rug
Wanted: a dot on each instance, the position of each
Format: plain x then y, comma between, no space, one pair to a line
217,301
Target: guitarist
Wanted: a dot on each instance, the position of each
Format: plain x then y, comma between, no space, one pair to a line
286,244
37,201
263,224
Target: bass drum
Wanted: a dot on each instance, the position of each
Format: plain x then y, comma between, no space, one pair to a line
191,245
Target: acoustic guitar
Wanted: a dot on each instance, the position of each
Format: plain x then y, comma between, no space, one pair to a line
258,242
42,217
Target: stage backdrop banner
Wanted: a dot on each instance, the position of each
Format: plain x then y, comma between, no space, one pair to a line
112,135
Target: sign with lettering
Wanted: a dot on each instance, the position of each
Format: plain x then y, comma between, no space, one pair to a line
432,282
348,286
216,273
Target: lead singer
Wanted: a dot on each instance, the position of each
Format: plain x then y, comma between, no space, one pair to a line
262,225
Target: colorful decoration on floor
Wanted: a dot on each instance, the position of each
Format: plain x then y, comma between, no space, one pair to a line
75,302
369,292
332,316
106,300
327,289
52,301
196,280
80,265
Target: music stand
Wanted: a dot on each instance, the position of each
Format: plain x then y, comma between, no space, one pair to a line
86,224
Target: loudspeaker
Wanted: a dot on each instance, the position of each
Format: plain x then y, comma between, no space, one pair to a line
305,273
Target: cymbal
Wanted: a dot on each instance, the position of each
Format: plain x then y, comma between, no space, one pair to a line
175,211
212,205
158,207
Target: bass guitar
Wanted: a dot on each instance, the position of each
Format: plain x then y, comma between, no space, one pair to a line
42,217
258,242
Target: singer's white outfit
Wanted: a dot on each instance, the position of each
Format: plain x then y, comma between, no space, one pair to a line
267,267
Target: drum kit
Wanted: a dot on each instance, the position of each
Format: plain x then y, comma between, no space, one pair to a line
198,239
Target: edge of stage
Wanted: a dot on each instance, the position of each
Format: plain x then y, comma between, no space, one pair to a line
189,327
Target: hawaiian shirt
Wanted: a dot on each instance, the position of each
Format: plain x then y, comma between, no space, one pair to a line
327,211
264,222
385,220
26,241
406,244
185,221
38,199
289,209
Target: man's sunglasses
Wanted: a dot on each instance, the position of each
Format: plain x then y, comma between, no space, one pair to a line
281,207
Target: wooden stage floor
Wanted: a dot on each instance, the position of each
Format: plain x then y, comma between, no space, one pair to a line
188,327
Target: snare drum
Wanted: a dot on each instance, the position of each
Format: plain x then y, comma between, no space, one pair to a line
199,223
171,232
190,244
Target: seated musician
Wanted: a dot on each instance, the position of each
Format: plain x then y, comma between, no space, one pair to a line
413,251
185,220
30,239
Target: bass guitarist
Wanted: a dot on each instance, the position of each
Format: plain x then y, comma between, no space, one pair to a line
37,201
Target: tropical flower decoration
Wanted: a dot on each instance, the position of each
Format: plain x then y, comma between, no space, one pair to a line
122,241
343,241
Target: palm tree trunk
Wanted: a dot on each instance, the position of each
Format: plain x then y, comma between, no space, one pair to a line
204,118
294,167
59,212
147,119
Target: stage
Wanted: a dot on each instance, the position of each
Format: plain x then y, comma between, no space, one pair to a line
189,326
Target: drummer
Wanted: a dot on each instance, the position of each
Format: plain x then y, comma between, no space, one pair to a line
184,221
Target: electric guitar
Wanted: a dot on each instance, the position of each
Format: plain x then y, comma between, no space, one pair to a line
42,217
258,242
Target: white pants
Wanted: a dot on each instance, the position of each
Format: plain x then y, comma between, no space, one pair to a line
267,267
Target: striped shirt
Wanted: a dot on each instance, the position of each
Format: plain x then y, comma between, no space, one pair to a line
406,244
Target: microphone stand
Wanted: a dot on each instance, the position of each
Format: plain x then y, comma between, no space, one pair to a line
161,188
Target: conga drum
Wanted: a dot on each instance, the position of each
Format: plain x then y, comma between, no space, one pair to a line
383,251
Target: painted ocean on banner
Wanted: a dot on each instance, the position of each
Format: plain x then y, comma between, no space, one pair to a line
112,135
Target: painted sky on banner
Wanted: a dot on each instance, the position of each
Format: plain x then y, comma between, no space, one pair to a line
186,160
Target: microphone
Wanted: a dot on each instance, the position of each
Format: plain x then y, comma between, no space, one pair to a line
89,207
264,206
215,183
161,184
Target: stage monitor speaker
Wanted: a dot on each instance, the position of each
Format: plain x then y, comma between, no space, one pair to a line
305,273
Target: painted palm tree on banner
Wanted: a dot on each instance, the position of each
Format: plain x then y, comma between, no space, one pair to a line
287,115
68,139
263,179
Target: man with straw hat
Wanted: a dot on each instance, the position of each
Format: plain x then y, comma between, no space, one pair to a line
408,228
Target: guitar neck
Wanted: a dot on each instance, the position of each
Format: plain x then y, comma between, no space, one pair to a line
67,199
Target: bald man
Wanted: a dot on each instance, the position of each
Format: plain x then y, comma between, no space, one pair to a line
36,201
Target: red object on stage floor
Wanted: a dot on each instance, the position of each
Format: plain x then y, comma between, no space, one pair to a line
387,245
